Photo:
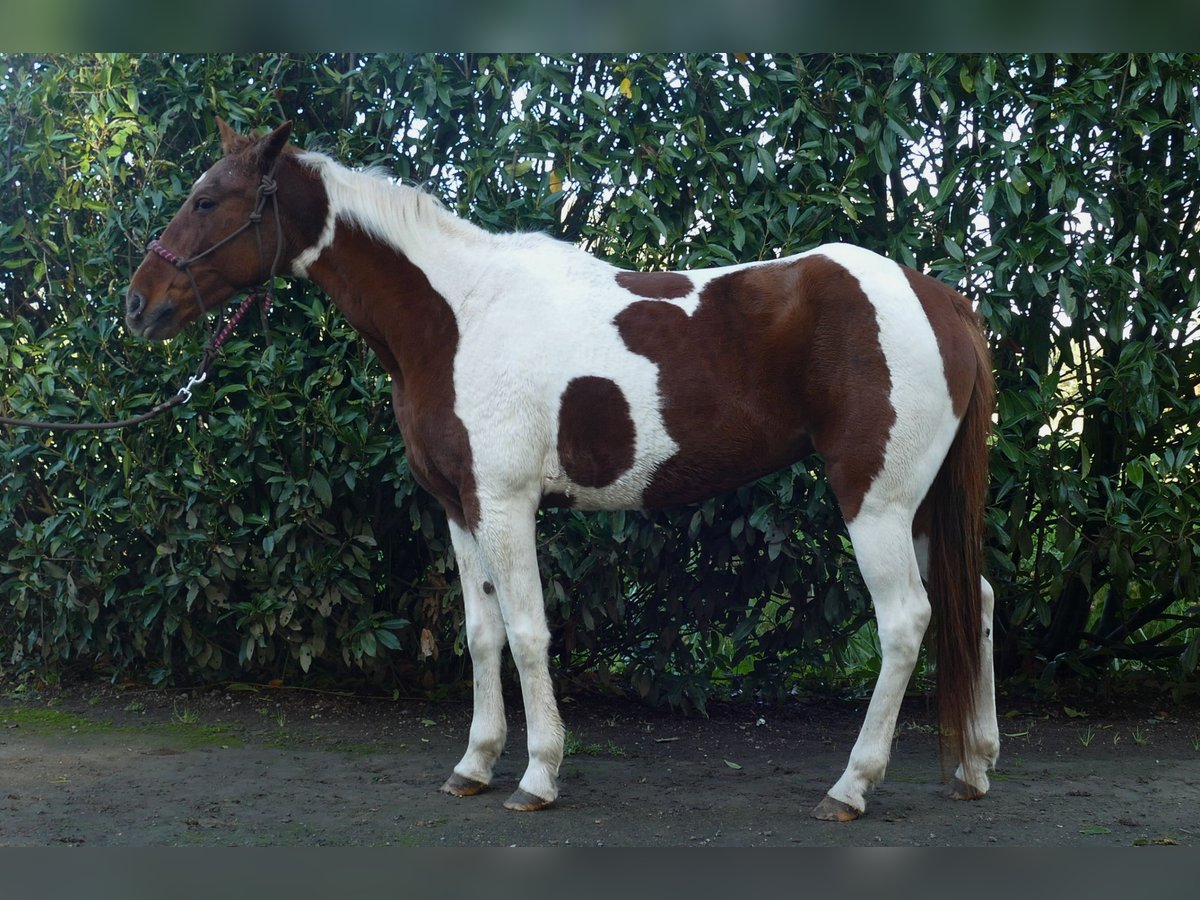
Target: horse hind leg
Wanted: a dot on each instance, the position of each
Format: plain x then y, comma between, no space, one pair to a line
983,741
970,781
883,544
485,641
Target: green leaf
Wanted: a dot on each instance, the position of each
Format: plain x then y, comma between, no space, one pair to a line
388,639
750,168
1171,96
320,487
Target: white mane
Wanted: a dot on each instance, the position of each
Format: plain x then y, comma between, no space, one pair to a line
400,215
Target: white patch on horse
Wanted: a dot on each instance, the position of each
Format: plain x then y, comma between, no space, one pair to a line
305,258
533,314
925,421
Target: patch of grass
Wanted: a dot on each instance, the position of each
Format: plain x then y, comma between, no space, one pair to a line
194,737
43,720
574,745
184,728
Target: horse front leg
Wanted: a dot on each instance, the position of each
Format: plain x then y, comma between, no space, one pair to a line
506,538
485,641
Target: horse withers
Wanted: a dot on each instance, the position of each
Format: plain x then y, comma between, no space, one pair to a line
526,372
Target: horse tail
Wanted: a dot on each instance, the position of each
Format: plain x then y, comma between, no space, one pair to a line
956,504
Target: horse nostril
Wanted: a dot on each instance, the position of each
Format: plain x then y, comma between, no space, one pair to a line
135,304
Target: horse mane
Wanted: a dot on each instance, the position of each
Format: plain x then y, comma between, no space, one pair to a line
400,214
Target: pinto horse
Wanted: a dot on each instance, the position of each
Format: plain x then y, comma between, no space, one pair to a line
526,372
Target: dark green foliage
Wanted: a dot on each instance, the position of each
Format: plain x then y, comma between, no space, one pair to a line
272,525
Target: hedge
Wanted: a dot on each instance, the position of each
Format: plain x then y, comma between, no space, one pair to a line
271,529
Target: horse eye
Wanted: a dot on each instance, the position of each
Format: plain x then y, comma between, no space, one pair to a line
204,204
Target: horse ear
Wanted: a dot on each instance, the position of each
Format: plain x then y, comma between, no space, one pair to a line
269,147
231,141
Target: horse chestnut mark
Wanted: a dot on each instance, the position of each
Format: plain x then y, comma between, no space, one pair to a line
526,372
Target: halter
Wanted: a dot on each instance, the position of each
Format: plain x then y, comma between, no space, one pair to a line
267,189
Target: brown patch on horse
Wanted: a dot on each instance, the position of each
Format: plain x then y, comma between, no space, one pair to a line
595,432
777,360
947,310
656,285
412,330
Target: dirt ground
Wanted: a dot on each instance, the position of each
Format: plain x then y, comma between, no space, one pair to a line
97,766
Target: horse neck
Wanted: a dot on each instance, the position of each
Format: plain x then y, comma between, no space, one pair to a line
389,255
388,298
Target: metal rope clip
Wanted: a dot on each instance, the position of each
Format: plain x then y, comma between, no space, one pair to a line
195,380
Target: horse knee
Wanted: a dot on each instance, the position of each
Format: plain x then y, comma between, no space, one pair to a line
484,641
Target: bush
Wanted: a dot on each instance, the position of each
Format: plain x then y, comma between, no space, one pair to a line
271,527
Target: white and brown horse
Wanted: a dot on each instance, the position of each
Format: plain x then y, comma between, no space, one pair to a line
526,372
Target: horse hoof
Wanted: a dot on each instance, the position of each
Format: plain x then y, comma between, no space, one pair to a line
830,810
460,786
523,801
960,790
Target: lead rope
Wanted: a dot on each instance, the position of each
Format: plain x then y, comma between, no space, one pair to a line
267,188
183,395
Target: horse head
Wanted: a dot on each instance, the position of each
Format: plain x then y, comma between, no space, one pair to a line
232,233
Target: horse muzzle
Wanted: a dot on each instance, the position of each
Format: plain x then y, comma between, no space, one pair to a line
150,323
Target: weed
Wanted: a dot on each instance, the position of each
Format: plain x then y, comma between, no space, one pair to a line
1087,736
135,706
573,745
188,717
1140,737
